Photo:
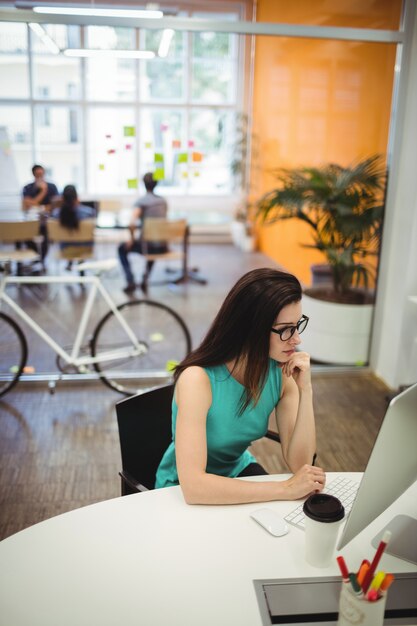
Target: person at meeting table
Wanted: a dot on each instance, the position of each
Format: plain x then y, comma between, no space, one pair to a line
35,194
70,213
246,367
148,205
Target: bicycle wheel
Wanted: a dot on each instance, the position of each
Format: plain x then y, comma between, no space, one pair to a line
161,333
13,353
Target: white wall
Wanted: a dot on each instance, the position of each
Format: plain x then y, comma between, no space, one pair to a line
394,341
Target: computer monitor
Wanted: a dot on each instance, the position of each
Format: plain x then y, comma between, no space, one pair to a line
391,469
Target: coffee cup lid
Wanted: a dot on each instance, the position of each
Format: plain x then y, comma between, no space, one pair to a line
322,507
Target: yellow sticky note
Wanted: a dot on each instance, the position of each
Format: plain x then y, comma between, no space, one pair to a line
148,145
101,166
171,365
184,175
183,157
156,337
129,131
132,183
196,174
159,173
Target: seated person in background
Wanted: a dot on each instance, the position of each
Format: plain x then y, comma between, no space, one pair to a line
70,213
39,193
149,205
245,368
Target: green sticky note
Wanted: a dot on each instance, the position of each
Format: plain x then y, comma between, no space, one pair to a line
132,183
171,365
129,131
101,166
159,173
159,158
183,157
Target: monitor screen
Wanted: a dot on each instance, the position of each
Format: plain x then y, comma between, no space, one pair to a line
391,469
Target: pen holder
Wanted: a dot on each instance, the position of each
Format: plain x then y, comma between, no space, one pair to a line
354,610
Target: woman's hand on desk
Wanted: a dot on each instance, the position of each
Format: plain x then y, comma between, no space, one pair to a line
308,479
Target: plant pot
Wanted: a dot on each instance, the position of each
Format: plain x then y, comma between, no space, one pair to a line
321,274
337,333
247,243
237,231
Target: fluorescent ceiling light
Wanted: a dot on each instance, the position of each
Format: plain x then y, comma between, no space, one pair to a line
45,38
95,12
113,54
166,38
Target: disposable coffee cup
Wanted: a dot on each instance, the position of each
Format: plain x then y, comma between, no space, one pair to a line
324,514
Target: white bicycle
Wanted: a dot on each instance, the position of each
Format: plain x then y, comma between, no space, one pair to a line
136,340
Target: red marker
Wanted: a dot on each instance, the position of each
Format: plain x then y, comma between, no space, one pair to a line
343,569
371,571
372,595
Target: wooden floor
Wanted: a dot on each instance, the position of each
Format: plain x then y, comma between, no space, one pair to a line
59,452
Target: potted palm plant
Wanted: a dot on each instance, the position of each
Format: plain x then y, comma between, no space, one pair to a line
344,210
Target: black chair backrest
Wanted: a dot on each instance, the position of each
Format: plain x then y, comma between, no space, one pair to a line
145,432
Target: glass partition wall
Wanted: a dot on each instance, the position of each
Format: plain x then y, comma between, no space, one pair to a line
213,113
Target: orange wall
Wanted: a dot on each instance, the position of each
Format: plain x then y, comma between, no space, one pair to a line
317,101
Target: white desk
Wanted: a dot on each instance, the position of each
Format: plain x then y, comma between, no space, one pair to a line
151,560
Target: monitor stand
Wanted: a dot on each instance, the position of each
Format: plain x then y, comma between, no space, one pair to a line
403,543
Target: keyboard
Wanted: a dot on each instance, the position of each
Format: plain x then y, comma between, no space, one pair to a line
342,488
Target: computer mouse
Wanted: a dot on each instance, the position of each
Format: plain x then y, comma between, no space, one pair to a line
272,522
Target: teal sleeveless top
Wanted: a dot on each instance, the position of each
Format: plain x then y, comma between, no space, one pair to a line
228,433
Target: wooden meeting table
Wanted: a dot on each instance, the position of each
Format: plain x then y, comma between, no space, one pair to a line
151,560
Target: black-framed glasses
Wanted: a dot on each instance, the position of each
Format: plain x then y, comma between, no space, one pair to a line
287,332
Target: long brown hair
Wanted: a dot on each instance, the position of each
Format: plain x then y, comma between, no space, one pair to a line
68,215
242,327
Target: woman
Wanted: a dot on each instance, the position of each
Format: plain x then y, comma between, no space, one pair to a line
245,368
70,213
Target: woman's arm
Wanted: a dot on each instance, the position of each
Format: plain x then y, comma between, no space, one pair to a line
294,413
193,397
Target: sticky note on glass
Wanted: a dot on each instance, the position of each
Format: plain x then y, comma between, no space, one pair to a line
129,131
197,157
159,174
148,144
101,166
196,173
112,151
183,157
128,146
176,143
164,127
184,175
191,143
132,183
159,158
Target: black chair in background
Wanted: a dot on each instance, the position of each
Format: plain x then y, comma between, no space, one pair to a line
144,422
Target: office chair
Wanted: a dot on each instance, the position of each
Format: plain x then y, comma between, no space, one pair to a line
82,239
144,422
156,230
17,232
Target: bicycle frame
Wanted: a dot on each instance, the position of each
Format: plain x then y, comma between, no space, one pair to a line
96,285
